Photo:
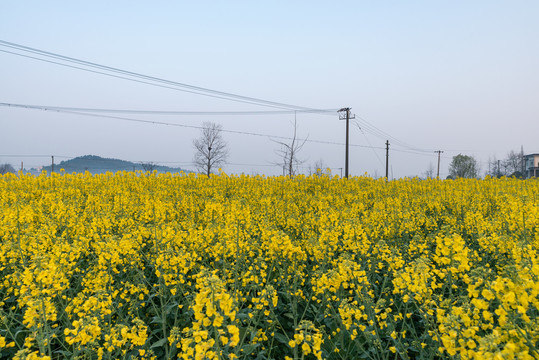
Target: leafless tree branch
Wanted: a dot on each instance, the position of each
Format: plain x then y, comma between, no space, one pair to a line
211,150
148,166
288,153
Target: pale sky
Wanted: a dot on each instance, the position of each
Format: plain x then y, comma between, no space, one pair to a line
457,76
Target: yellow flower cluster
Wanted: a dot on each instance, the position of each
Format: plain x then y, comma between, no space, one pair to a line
308,339
160,266
214,327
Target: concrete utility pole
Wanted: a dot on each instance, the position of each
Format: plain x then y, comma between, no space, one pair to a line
52,165
346,116
438,172
387,160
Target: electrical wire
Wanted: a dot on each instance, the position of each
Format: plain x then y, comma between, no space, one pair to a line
415,152
154,81
164,112
62,110
126,78
366,138
137,162
151,80
384,135
45,108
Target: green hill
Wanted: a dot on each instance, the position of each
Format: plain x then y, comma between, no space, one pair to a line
98,165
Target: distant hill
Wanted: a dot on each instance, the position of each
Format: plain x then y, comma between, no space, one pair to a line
98,165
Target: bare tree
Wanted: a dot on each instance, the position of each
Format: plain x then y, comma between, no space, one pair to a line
210,149
429,173
513,164
6,168
492,166
289,153
148,166
510,166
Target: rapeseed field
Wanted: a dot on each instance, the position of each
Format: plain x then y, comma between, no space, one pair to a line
161,266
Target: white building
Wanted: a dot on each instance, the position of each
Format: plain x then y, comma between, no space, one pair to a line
531,165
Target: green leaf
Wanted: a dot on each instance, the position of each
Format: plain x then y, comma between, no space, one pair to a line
171,307
242,316
281,338
159,343
289,315
249,348
364,355
66,354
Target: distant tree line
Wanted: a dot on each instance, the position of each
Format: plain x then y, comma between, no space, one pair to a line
466,166
7,168
512,165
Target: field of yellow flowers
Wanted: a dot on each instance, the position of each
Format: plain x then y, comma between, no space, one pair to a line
147,266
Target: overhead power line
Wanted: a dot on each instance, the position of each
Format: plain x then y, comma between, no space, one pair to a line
62,60
366,138
133,76
51,109
384,135
163,112
88,112
34,156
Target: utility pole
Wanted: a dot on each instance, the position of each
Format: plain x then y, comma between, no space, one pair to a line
209,160
387,160
499,173
22,167
52,165
438,172
522,167
346,116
